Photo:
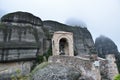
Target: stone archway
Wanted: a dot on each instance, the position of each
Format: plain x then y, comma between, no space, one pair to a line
62,43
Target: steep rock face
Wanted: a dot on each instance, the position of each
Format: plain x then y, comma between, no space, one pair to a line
21,36
24,36
105,46
83,42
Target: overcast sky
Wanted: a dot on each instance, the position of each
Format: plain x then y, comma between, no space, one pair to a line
102,17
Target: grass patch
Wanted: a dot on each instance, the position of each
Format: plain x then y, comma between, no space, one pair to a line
18,76
40,66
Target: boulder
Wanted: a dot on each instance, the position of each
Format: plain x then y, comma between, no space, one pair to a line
56,72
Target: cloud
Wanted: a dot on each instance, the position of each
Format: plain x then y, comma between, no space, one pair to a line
75,22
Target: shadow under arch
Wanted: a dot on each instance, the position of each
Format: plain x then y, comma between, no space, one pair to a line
63,46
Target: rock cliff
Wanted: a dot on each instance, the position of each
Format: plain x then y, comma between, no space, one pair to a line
104,46
83,42
23,36
22,17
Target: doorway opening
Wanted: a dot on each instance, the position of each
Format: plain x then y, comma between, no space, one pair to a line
63,47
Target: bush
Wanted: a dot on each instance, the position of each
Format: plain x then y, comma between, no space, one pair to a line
49,53
40,59
117,77
44,57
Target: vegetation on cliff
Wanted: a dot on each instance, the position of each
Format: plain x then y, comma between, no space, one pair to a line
117,77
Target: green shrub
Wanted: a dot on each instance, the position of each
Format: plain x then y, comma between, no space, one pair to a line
48,53
40,59
117,77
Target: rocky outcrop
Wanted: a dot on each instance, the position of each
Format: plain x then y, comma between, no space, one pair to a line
104,69
21,36
66,68
84,65
83,42
24,36
105,46
56,72
22,17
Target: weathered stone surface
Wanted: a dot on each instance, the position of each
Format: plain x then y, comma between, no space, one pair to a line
105,46
7,70
56,72
21,31
83,42
104,69
83,65
108,67
86,78
112,67
66,68
22,17
21,36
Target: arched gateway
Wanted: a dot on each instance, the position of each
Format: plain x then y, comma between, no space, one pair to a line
62,43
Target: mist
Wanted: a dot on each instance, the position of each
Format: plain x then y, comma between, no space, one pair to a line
75,22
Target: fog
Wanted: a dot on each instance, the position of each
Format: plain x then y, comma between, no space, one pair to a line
101,17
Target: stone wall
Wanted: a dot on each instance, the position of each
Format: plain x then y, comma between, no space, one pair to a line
85,66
